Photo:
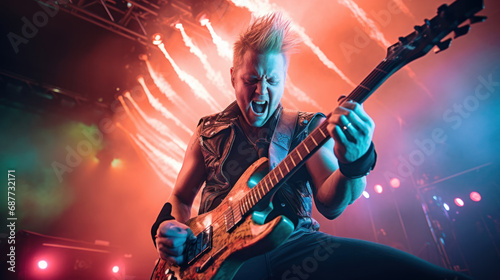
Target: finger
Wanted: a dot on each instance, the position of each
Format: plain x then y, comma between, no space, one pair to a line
170,242
176,251
360,111
337,134
350,104
335,119
341,110
357,126
173,231
190,234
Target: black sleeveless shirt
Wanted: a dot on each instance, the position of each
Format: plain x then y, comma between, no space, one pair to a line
228,152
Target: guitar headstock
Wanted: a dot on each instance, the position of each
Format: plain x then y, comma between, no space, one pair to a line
431,34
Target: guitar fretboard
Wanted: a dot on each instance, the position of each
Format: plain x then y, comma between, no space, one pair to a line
297,157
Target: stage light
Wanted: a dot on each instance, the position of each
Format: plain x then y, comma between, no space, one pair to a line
204,21
42,264
157,39
116,269
178,25
446,206
116,162
395,183
475,196
366,194
378,188
459,202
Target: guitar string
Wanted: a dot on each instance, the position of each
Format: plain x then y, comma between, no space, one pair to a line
254,190
374,76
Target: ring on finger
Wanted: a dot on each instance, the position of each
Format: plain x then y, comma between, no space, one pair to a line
346,127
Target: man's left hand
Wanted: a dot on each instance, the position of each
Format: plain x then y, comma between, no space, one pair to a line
352,129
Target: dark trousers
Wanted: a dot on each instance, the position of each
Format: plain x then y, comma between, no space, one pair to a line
316,255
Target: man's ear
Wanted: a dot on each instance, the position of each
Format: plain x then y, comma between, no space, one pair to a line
232,76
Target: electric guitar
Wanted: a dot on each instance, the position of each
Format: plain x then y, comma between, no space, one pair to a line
237,229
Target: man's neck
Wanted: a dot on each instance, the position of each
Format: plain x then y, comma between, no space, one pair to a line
264,132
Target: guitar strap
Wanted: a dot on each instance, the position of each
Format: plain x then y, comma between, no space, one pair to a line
282,137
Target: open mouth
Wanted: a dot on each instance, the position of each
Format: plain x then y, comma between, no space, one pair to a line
258,107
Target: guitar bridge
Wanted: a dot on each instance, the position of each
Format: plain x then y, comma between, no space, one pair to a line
201,244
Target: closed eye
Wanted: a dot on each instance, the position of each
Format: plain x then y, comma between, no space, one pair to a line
273,82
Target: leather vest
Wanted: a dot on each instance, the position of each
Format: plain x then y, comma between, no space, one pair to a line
227,153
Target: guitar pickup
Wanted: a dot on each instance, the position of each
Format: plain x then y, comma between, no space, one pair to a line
197,247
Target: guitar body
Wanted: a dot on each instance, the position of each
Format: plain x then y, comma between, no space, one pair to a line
230,249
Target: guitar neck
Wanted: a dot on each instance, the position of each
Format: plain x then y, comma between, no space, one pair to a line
297,157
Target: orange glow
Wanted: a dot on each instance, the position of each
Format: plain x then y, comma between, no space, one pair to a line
196,86
214,76
259,8
223,47
204,21
157,39
116,163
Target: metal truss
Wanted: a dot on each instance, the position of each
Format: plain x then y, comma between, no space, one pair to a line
131,19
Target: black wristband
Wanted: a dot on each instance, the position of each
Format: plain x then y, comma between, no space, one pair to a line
360,167
165,215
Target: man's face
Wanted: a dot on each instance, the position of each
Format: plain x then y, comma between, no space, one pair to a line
259,84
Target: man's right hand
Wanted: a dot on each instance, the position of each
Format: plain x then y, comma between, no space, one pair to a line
171,240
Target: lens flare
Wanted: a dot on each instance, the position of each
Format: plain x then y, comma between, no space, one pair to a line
366,194
395,183
42,264
459,202
475,196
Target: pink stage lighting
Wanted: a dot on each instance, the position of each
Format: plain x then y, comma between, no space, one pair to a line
42,264
395,183
116,269
475,196
378,188
459,202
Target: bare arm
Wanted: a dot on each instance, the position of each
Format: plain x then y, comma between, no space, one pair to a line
332,190
189,180
171,235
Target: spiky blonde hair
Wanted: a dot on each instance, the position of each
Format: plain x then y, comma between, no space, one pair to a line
267,34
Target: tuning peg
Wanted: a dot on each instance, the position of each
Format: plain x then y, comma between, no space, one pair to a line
476,19
460,31
443,45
